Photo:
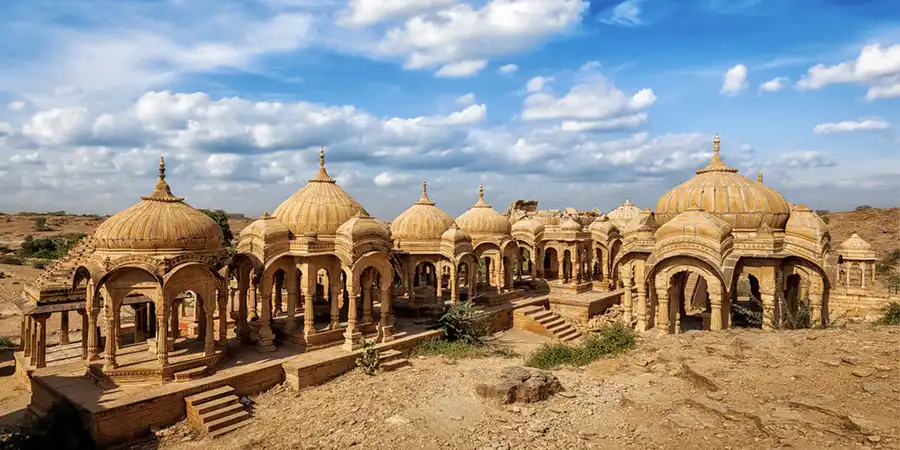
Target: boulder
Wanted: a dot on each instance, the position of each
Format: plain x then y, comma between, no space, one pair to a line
519,384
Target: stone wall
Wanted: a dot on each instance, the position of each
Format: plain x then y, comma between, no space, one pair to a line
307,372
123,423
499,317
857,303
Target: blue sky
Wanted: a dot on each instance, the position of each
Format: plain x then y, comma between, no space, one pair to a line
570,102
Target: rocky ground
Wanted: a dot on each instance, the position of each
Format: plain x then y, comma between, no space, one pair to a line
812,389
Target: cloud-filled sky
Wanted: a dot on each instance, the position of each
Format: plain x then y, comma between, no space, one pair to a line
571,102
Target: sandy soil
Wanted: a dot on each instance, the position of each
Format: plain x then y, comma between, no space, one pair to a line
738,389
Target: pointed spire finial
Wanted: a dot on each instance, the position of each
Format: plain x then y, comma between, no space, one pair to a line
424,200
481,191
321,156
759,177
424,186
162,168
716,144
322,174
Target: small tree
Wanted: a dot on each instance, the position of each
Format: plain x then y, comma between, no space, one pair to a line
40,224
221,218
369,361
463,321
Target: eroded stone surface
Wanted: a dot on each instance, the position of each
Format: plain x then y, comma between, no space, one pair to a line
519,384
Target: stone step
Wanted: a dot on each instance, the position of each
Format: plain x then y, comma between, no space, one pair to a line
542,316
228,429
554,322
389,355
218,424
218,403
394,364
226,411
191,374
533,309
559,328
209,395
568,335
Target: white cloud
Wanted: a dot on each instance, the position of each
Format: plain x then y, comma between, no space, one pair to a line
466,99
618,123
735,80
877,67
803,159
461,69
384,179
463,33
16,105
369,12
774,85
862,124
537,84
593,100
627,13
472,114
507,69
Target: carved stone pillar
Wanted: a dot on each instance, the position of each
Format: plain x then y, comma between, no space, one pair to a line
662,298
767,294
252,297
410,283
41,350
715,302
816,296
64,328
352,336
367,303
175,331
454,285
93,335
266,337
309,295
290,323
26,337
85,330
162,334
386,325
641,288
33,340
278,298
627,301
243,328
112,336
222,296
334,294
209,338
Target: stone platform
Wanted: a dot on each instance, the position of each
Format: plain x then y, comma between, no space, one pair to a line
579,308
557,287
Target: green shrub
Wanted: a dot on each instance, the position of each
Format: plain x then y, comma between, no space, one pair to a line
52,247
4,342
463,321
609,340
863,208
39,264
60,429
457,350
890,314
40,224
368,360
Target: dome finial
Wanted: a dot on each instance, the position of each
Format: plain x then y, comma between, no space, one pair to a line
162,168
321,156
716,164
716,144
759,177
481,191
322,175
424,200
481,203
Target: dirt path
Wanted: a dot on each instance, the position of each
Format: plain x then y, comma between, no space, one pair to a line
729,390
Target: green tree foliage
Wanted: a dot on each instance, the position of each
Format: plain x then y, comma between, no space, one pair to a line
60,429
463,321
40,224
53,247
221,218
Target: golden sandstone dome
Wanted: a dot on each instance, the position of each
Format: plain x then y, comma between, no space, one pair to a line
422,221
482,219
363,226
570,225
528,225
267,227
160,222
623,214
721,191
454,234
320,207
695,222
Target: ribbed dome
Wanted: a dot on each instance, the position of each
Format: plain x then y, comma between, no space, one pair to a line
159,222
320,207
422,221
454,234
482,219
855,242
267,227
570,225
856,248
805,223
364,226
621,216
721,191
528,225
695,222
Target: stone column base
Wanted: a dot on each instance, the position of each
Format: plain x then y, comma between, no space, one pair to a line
387,333
352,341
153,347
265,347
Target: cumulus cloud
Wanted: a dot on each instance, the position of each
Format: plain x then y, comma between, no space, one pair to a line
369,12
735,80
537,84
466,99
627,13
861,124
876,67
461,69
16,105
803,159
592,103
464,33
507,69
774,85
390,178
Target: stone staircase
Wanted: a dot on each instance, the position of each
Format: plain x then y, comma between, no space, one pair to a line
216,411
392,360
553,323
691,282
192,374
59,273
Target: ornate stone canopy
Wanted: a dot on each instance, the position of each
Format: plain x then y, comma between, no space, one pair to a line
423,220
623,214
856,248
160,222
721,191
320,207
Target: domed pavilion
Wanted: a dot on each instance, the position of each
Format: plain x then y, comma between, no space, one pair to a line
685,260
493,244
